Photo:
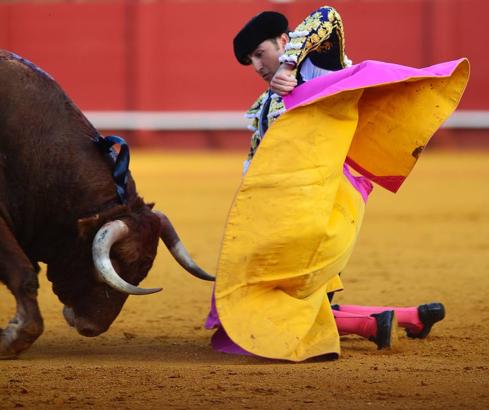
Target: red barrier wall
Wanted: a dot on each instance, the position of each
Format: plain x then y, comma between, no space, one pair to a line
177,55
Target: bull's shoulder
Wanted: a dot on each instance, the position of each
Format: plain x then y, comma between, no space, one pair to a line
30,95
12,61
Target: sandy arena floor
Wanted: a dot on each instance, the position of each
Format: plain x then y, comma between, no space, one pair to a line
430,242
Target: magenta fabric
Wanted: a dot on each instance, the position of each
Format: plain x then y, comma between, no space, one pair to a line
212,321
360,183
392,183
368,73
220,341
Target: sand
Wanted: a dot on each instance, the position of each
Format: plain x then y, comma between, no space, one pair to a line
429,242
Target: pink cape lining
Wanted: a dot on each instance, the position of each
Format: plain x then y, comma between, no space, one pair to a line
368,73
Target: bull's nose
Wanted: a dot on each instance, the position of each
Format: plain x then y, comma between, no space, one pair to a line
88,329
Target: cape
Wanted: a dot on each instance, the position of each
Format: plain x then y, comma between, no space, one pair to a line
295,218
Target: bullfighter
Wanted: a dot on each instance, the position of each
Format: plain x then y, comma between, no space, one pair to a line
299,209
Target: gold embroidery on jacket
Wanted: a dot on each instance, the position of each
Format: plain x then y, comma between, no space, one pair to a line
319,26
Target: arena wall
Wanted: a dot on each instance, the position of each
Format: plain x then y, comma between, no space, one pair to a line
171,56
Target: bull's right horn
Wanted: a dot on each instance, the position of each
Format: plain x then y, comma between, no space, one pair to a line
106,236
170,237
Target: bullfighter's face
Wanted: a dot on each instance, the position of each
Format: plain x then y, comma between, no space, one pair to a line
265,58
94,310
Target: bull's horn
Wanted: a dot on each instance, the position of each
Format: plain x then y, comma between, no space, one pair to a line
172,241
106,236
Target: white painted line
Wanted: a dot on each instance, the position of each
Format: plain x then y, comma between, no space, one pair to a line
227,120
468,119
168,120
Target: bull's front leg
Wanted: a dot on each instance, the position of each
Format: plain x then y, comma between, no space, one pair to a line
20,276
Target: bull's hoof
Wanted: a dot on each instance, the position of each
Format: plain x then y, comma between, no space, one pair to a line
5,355
18,337
6,351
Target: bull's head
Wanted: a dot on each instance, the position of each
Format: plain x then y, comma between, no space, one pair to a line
123,251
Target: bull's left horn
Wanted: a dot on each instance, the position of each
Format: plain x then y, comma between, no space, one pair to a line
170,238
106,236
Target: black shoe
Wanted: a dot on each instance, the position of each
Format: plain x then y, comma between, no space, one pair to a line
429,314
386,337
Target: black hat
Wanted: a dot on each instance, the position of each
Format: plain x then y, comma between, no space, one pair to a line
263,26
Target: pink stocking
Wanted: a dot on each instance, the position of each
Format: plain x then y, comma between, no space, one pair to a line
353,323
407,317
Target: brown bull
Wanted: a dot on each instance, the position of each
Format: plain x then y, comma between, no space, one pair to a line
60,205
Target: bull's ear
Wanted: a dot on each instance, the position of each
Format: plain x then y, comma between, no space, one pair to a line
150,205
86,226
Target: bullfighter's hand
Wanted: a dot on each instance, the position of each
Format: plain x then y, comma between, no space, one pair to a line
283,82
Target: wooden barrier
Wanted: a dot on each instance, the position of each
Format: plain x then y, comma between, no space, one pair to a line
169,55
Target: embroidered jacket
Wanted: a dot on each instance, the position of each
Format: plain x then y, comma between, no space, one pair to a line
320,36
259,118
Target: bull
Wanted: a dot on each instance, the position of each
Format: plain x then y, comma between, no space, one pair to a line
67,199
